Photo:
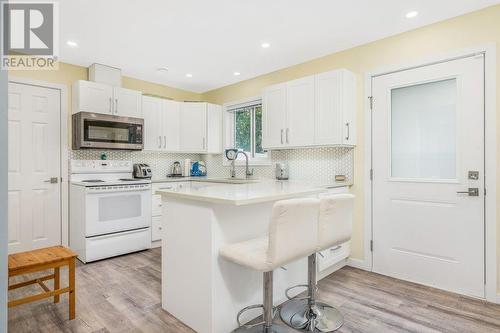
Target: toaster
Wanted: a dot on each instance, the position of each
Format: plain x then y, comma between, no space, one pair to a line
142,170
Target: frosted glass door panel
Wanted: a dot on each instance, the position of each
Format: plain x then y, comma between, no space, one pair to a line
423,131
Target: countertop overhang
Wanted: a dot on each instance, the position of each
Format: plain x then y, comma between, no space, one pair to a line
245,194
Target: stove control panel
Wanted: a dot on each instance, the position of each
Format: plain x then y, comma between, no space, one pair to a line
101,166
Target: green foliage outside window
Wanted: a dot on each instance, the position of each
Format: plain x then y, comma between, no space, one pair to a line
245,121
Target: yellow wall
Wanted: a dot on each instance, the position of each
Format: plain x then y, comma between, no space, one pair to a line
465,31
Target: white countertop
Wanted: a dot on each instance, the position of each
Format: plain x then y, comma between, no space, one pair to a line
245,194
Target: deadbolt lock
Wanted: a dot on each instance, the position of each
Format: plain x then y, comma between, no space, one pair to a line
474,175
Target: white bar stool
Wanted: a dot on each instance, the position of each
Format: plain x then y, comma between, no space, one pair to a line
334,228
293,234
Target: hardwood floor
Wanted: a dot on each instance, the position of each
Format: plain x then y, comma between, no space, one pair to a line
123,295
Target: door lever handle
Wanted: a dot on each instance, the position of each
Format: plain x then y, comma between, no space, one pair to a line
52,180
472,192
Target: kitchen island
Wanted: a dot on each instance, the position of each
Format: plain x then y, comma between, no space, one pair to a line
201,289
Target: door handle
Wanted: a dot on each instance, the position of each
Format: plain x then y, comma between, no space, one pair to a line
348,134
116,105
472,192
159,138
164,142
287,131
52,180
110,105
282,136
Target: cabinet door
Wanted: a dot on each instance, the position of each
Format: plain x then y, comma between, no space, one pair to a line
300,112
92,97
349,108
170,125
274,116
329,102
193,127
214,128
156,228
151,112
127,102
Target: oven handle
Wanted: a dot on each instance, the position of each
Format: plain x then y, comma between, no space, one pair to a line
91,190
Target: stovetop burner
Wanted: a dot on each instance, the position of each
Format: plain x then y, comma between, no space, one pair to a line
93,181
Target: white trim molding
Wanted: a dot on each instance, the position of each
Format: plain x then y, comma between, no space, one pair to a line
64,146
489,51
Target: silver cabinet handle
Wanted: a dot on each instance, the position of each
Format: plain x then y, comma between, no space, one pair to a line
110,107
204,143
472,192
333,249
52,180
287,131
282,136
159,141
164,142
348,131
116,105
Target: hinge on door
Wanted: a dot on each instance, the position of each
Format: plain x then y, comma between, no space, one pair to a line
371,245
371,174
370,98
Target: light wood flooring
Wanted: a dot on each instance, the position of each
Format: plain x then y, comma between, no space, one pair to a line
123,295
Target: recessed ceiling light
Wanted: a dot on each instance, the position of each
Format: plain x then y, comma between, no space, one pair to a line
72,43
265,45
162,69
412,14
236,73
189,75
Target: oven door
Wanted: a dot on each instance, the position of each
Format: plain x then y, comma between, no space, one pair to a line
93,130
111,209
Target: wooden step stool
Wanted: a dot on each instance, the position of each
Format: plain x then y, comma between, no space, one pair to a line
40,260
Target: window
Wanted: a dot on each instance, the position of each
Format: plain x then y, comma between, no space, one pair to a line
244,130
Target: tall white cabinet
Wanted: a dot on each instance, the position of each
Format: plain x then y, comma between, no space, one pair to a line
317,110
88,96
188,127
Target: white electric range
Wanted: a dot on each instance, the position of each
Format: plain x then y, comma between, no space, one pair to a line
110,211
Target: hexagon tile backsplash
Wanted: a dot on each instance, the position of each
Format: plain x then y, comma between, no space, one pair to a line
317,164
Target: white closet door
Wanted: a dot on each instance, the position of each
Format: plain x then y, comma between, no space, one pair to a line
34,159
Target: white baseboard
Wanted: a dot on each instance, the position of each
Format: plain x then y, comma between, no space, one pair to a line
358,263
155,244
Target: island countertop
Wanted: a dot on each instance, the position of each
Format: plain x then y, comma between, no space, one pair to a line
245,194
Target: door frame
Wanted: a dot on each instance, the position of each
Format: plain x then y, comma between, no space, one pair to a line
490,147
63,140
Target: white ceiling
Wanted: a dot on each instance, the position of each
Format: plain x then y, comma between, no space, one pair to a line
212,39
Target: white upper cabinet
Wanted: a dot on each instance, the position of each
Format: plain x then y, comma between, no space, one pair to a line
335,108
170,125
193,127
153,132
313,111
127,102
92,97
300,116
274,116
181,126
102,98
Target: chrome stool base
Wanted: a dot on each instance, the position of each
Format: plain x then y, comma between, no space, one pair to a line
260,329
297,315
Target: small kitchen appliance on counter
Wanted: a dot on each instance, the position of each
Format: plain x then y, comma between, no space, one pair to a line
175,170
142,170
281,171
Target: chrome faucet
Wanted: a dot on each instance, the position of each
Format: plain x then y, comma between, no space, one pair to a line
232,155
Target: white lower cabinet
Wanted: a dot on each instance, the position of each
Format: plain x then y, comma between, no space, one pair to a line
156,216
156,228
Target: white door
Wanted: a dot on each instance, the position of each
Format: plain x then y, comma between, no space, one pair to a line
93,97
428,147
300,112
274,116
193,127
170,125
151,112
34,159
127,102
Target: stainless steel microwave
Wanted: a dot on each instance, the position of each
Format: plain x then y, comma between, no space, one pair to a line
102,131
